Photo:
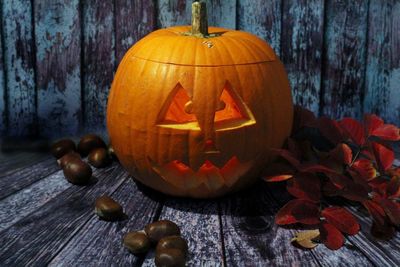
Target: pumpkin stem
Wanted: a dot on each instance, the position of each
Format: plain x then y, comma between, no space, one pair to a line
199,19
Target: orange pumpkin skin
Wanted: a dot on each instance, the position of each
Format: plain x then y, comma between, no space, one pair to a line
208,149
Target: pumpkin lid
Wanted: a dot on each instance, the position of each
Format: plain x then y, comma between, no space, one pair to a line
224,47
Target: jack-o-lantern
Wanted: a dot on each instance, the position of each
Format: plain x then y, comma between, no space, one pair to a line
194,111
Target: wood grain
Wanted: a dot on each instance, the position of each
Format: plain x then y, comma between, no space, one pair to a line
3,111
344,58
36,239
178,12
12,162
19,205
301,49
252,238
262,18
383,62
133,20
98,61
20,67
99,243
58,42
31,173
199,224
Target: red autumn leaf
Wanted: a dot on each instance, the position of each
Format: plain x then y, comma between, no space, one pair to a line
393,187
387,132
383,231
342,219
365,168
298,211
305,186
392,210
278,171
376,211
342,153
384,155
287,155
302,118
294,148
330,130
372,122
315,168
331,236
379,185
355,192
393,172
354,130
330,189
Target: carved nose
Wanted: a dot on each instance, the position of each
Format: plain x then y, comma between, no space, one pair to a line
210,148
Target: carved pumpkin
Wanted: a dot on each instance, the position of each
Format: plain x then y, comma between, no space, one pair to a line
195,112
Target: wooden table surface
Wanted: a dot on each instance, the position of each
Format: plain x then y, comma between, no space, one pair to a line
44,220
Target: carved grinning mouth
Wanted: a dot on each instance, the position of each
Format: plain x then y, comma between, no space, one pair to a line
208,175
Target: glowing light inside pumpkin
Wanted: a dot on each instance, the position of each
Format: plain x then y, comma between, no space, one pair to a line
178,112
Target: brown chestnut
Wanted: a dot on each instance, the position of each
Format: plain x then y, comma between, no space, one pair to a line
157,230
62,147
137,242
108,209
77,171
99,157
174,241
170,257
67,157
88,143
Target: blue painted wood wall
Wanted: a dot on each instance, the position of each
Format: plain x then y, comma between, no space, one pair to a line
58,57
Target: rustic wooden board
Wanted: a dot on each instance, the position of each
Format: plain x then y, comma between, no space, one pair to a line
98,61
344,58
200,226
178,12
250,235
133,20
58,58
349,255
263,18
3,110
28,199
12,162
18,180
37,238
301,49
19,63
383,62
100,242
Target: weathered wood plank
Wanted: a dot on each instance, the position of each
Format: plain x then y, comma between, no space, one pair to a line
383,62
98,61
252,238
133,20
58,42
199,224
344,58
12,162
37,238
17,206
3,110
263,18
19,64
31,173
301,49
349,255
99,243
178,12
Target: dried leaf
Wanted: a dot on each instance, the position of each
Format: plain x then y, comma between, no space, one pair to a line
393,172
342,153
354,130
305,186
376,127
355,192
383,231
298,211
331,236
342,219
393,187
302,118
392,210
287,155
305,238
372,122
376,211
384,155
365,168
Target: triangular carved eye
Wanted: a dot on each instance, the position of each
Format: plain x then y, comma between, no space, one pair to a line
231,107
177,108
